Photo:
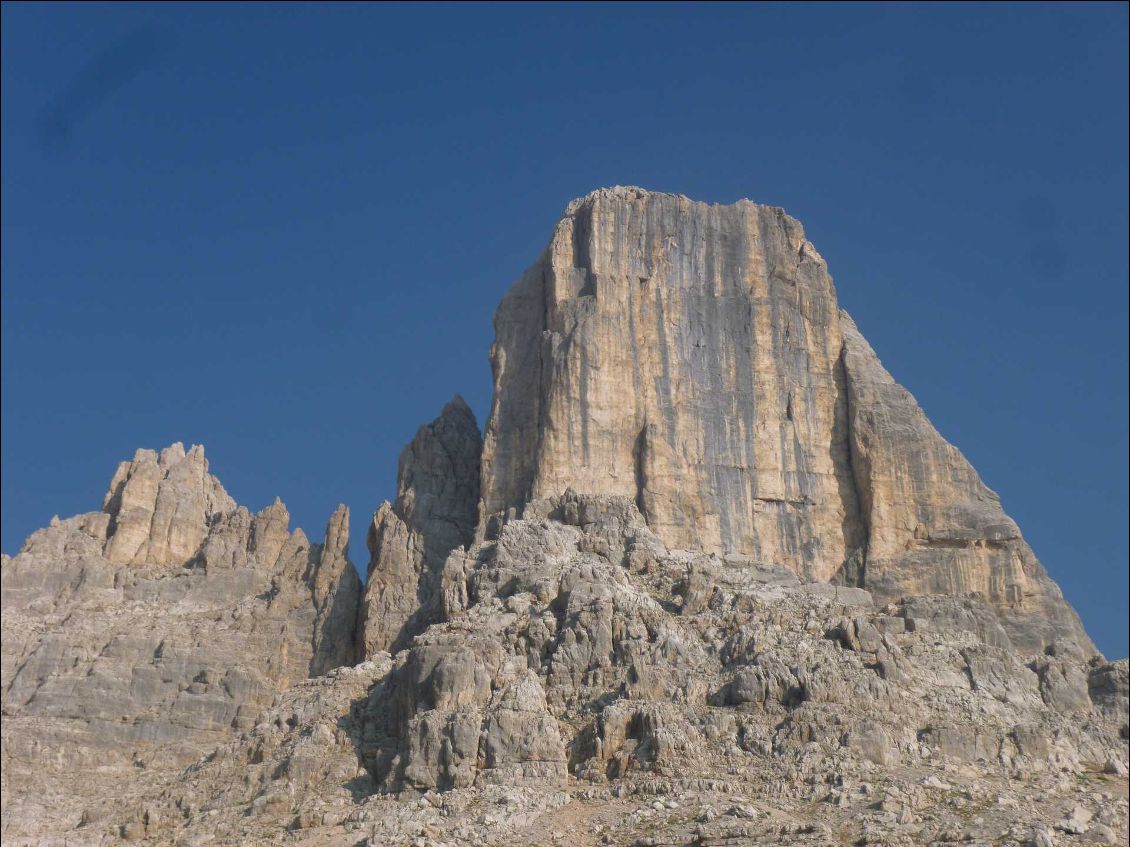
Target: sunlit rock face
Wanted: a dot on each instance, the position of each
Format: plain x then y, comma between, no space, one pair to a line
159,506
143,635
693,357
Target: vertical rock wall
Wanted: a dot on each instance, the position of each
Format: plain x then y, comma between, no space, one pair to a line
693,357
933,527
685,355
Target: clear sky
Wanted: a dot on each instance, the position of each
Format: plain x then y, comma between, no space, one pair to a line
282,230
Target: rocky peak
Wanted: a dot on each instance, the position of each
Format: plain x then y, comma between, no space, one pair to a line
160,506
335,591
437,487
692,357
409,540
157,661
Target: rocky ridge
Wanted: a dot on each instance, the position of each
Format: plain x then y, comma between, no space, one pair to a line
710,577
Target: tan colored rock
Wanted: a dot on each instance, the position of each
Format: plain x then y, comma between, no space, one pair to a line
686,356
587,680
391,597
580,668
692,357
335,593
933,527
160,506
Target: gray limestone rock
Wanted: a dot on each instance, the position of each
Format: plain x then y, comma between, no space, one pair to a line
686,356
409,540
335,593
933,527
113,663
584,672
721,583
1108,686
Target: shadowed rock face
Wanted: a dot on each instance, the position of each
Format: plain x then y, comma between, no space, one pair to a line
434,513
933,527
693,358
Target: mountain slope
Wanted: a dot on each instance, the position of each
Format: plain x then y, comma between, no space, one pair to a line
710,577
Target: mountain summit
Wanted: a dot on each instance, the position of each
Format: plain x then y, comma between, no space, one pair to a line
709,577
693,358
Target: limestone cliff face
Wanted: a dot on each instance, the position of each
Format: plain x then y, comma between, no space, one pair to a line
933,527
693,357
687,356
695,619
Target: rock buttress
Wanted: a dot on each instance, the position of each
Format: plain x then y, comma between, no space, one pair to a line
693,358
409,540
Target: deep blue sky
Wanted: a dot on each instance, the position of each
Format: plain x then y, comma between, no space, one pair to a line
282,230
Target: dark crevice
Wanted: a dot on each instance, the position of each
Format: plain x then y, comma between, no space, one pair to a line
639,458
853,571
582,249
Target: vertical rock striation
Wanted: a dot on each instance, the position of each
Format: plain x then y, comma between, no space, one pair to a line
159,507
693,357
933,527
657,578
335,591
684,355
